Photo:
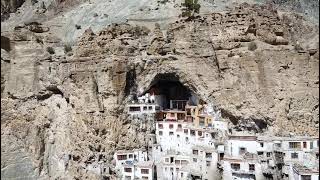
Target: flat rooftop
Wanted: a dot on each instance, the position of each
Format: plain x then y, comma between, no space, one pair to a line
145,164
243,137
303,170
287,138
203,148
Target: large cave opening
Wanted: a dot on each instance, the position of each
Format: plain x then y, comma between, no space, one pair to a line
170,93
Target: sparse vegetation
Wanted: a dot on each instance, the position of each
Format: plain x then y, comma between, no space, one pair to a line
252,46
163,1
50,50
67,48
78,26
190,8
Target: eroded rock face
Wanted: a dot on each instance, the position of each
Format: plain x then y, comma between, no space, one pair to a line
63,112
9,6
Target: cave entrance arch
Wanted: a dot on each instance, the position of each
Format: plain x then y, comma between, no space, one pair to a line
170,93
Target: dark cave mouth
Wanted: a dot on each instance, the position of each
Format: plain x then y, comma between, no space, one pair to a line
171,92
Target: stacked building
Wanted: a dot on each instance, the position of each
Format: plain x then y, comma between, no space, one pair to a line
192,141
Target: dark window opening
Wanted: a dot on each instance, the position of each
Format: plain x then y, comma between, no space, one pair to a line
134,109
251,167
305,177
235,166
294,156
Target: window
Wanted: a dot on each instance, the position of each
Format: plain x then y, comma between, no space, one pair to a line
171,169
201,122
171,114
184,162
187,139
181,116
177,169
144,171
144,108
150,108
304,144
199,133
208,163
145,178
122,157
305,177
260,153
311,145
268,154
195,152
130,155
160,133
242,150
127,177
171,133
252,167
188,111
127,169
235,166
179,126
178,136
167,159
278,145
182,174
134,109
294,156
209,155
294,145
171,126
160,126
192,132
261,144
185,131
195,160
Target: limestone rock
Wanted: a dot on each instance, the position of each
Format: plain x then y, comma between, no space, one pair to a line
63,114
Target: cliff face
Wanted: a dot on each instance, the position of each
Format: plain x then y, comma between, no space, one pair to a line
62,107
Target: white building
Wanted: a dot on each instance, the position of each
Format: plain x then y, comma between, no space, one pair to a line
170,165
143,108
133,164
237,145
146,104
304,173
242,168
180,136
144,170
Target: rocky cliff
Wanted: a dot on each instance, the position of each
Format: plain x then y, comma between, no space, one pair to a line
62,104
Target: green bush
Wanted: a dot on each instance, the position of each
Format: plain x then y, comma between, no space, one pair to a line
190,8
50,50
67,48
78,26
163,1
